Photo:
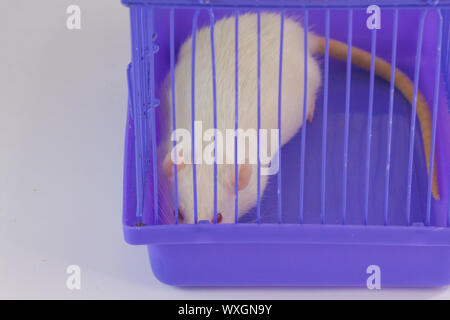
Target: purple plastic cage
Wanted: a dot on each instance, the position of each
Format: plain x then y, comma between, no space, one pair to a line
364,198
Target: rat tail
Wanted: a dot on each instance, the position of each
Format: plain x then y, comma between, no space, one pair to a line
362,59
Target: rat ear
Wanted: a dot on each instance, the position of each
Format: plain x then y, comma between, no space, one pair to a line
168,165
244,174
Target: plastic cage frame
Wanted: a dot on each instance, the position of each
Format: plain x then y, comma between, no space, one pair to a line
277,254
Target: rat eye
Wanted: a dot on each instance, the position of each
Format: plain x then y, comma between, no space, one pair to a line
219,218
180,215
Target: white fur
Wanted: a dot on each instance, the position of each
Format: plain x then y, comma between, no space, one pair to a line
292,100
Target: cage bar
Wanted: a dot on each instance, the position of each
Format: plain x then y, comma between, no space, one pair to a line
347,114
213,63
153,105
434,117
174,118
280,84
236,112
146,101
391,110
325,116
136,54
305,100
369,125
413,117
194,170
258,210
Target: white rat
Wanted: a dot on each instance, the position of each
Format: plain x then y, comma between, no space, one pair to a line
292,104
291,112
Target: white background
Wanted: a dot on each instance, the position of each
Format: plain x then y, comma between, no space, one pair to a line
63,98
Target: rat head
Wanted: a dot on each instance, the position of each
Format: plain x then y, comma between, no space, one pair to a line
205,189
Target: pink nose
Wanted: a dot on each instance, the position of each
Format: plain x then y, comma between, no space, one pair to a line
219,218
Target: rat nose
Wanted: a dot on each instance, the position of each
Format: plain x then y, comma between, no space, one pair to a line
219,218
180,215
